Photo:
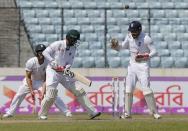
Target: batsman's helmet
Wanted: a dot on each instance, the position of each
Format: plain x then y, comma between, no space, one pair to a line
135,26
73,36
39,48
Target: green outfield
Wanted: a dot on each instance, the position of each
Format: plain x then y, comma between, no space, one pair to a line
105,122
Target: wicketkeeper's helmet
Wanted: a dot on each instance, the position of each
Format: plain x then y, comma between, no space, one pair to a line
135,26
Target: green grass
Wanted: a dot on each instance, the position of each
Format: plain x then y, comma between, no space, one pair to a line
105,122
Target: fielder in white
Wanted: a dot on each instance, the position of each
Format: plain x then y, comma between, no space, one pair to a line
60,54
34,79
141,50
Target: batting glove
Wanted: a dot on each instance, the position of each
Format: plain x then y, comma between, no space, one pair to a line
54,64
67,67
56,67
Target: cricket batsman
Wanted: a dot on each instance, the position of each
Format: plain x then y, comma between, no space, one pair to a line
141,50
60,55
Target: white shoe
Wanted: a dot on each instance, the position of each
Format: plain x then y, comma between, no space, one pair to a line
157,116
7,116
125,116
68,114
43,118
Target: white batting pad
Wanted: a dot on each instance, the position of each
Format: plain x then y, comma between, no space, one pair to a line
51,92
47,101
61,105
85,102
83,99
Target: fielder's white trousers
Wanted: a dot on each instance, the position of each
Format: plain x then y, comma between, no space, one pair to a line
24,90
137,72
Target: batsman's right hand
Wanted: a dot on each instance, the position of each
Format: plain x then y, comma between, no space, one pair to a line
114,43
53,64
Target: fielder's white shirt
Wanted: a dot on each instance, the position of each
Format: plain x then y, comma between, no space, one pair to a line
142,44
60,52
38,71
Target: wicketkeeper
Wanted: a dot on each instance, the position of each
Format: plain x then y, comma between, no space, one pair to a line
141,50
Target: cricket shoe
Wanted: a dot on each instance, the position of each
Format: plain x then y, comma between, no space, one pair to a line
68,114
42,117
95,115
156,116
125,116
7,116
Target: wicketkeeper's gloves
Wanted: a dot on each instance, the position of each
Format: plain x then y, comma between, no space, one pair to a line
114,43
142,57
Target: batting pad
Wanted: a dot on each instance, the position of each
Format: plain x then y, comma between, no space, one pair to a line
150,100
85,102
60,105
48,101
78,91
51,92
83,99
128,102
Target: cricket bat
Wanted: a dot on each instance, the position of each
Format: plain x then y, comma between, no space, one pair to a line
78,77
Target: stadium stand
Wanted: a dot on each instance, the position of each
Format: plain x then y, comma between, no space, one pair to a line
14,45
45,21
99,62
155,62
114,62
181,62
167,62
124,61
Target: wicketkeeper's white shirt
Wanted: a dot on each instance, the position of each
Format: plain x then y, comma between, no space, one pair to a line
143,44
